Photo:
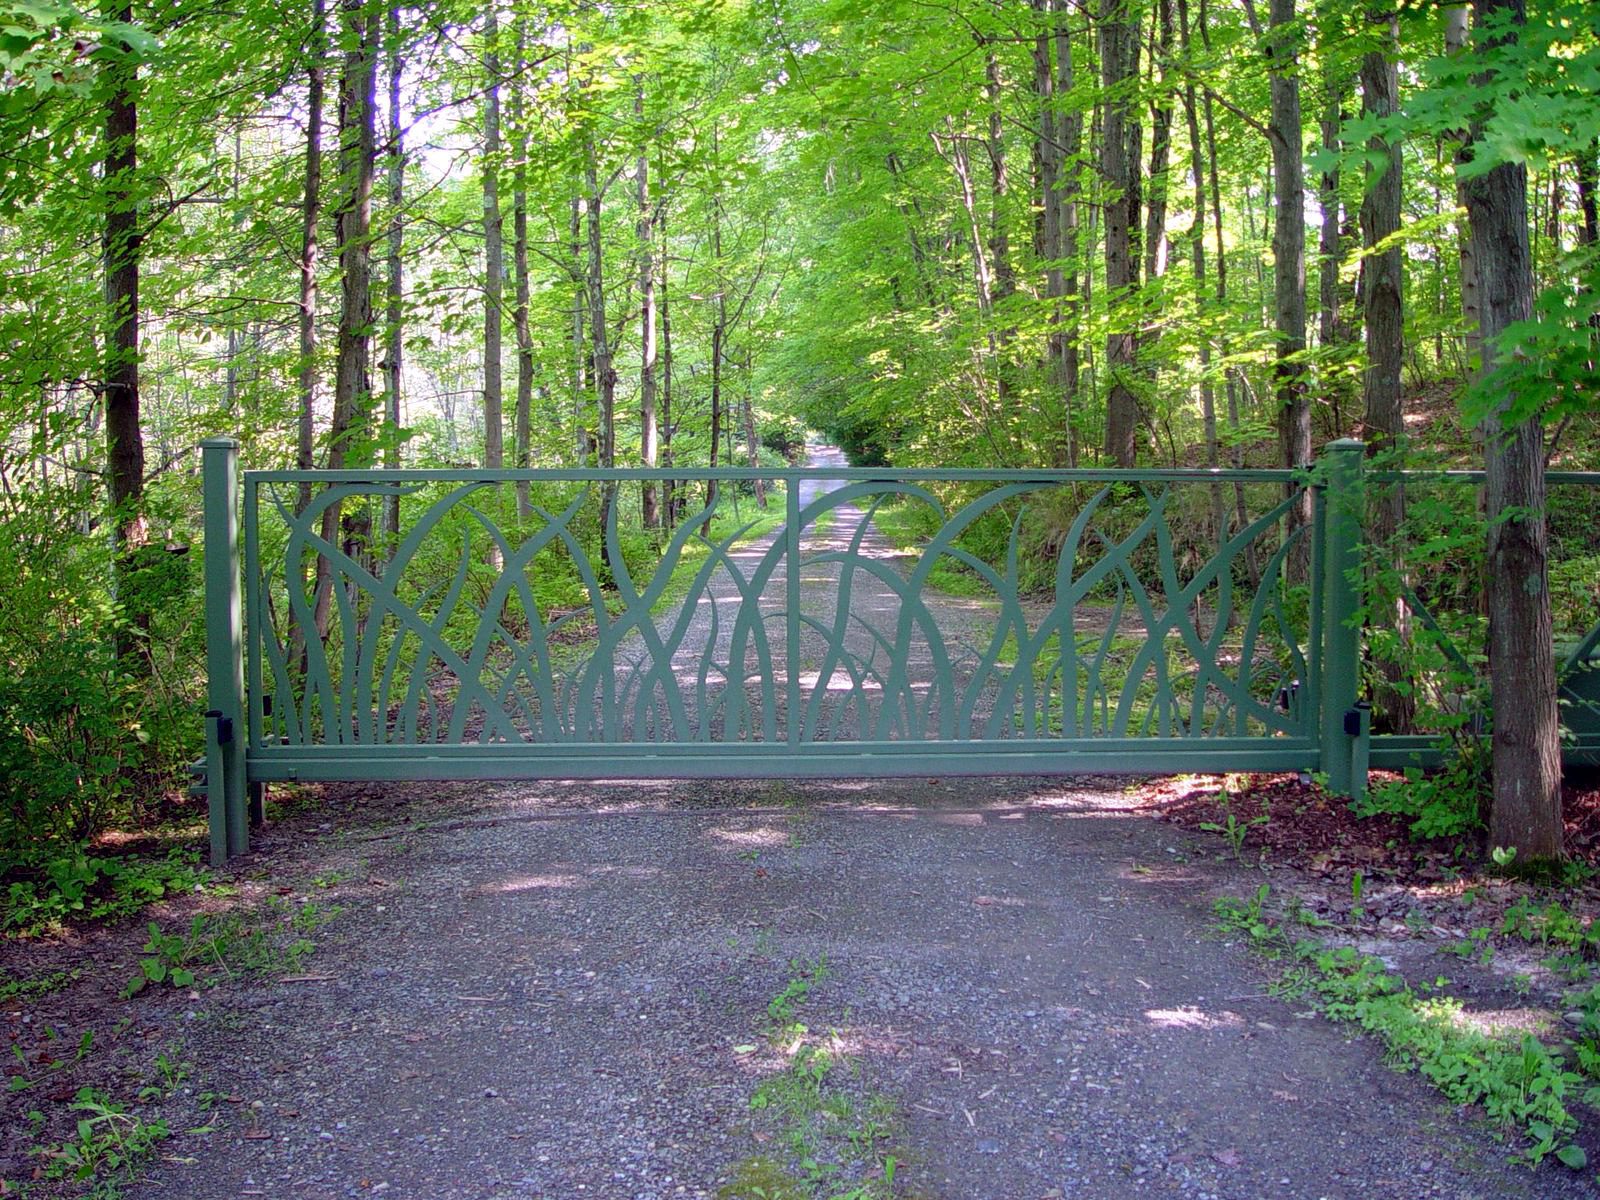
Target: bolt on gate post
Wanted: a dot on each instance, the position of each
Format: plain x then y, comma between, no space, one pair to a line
1342,739
226,735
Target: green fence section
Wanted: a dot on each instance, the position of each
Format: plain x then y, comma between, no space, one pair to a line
862,622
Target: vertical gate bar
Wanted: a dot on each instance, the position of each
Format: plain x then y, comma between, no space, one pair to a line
254,603
791,607
1310,714
1341,640
225,729
255,718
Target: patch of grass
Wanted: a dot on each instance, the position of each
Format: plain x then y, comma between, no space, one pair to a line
37,985
753,521
908,527
1517,1080
836,1139
272,941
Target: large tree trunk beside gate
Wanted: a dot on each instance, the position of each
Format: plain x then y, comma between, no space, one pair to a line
1526,809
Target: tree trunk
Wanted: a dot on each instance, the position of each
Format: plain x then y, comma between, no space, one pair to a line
1119,66
310,215
394,322
1069,133
124,432
1197,260
1289,259
648,433
580,353
523,447
1155,237
1381,271
1455,42
1332,329
669,499
494,255
605,375
1381,292
752,438
1526,809
350,430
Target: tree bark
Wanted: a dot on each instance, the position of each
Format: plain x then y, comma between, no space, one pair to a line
1197,260
669,499
494,254
124,431
605,375
1381,292
1119,67
310,216
1333,332
648,433
394,317
1289,258
1455,42
1526,810
523,446
1069,135
350,431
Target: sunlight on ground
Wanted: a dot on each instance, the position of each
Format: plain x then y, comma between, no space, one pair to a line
763,837
532,883
1191,1018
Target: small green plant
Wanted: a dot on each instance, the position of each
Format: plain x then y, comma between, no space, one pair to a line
230,944
1233,829
827,1128
110,1142
79,885
1358,882
167,959
39,985
1246,916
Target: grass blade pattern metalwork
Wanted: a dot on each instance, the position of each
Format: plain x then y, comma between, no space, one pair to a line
475,628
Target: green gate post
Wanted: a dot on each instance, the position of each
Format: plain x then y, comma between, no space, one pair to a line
1341,600
225,728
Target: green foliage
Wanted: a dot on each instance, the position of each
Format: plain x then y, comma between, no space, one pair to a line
110,1144
1447,802
1515,1078
79,885
226,944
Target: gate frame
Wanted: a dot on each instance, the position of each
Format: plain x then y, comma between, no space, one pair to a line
1338,726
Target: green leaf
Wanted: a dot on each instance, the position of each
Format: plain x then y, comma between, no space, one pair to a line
1573,1156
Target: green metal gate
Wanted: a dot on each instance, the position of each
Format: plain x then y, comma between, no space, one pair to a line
520,626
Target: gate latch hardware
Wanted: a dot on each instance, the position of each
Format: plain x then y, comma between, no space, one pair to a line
1353,718
224,726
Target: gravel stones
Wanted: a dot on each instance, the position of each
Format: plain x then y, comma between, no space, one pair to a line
549,1001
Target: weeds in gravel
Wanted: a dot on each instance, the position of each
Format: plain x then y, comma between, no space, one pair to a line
274,941
37,985
835,1137
1233,829
109,1145
1516,1079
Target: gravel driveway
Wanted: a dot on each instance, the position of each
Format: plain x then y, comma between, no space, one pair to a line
554,994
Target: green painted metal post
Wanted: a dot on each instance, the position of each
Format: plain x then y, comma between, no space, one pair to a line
1341,600
225,727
